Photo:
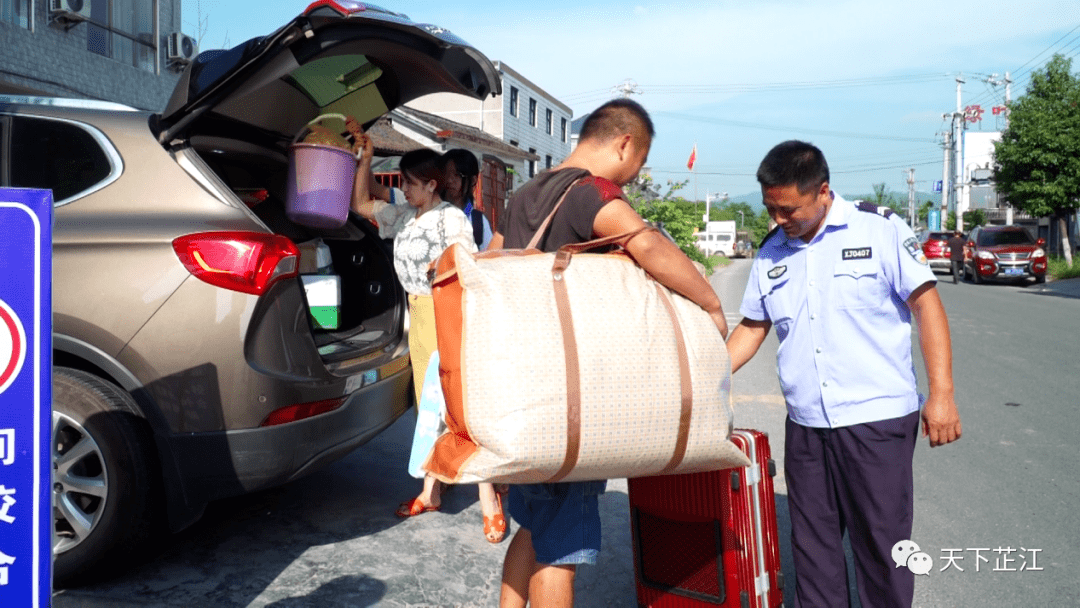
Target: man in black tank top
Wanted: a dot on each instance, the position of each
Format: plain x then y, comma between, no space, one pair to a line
559,523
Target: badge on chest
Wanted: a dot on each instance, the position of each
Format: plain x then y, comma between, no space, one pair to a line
857,253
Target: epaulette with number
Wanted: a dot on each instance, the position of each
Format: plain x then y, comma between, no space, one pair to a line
872,208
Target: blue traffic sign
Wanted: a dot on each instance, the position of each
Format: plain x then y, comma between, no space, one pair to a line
937,185
25,397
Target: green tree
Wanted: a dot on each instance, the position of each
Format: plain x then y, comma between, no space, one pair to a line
924,211
950,221
1038,157
974,217
680,217
883,198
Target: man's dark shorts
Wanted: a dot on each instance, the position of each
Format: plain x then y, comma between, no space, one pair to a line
563,518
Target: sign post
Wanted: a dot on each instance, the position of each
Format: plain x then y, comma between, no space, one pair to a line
25,397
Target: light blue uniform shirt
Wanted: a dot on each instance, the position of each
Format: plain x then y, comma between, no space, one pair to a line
839,306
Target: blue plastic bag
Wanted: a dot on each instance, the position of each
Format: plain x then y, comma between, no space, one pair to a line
429,418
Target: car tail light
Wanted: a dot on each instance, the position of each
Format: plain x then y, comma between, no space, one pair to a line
344,7
249,262
300,411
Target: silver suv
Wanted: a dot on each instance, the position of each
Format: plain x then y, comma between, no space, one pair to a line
189,365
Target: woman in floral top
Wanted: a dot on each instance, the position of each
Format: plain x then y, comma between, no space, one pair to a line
422,229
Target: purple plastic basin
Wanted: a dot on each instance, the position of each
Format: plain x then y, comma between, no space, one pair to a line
319,186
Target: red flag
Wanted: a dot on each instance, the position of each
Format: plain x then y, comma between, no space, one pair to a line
693,158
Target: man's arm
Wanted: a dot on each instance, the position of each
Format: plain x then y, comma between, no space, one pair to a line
745,341
941,420
659,257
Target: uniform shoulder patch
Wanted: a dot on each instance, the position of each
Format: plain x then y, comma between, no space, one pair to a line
869,207
913,248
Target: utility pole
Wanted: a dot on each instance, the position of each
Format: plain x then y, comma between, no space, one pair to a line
626,89
1008,97
912,215
945,181
958,185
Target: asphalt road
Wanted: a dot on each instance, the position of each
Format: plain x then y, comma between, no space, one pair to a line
1013,481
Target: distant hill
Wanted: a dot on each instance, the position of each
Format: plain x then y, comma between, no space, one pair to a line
754,198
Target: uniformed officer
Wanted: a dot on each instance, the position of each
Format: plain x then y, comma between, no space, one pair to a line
841,282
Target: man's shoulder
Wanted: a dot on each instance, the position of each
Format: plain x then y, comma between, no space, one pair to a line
604,188
868,207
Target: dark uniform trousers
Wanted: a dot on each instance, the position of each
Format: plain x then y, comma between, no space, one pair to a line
856,479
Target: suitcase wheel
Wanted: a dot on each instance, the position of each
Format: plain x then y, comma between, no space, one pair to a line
772,468
735,481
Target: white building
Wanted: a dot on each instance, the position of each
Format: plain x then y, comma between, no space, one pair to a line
524,116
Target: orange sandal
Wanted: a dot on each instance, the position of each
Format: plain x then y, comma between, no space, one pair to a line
414,507
495,526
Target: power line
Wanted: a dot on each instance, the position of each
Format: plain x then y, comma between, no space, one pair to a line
733,173
749,125
696,89
1048,48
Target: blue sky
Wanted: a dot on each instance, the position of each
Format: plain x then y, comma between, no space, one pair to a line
865,81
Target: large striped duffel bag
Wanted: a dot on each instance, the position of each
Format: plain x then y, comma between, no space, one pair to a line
574,366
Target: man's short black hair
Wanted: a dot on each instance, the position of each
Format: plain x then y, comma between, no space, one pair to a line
618,117
796,163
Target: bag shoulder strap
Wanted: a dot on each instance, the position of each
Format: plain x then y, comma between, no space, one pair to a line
547,221
477,226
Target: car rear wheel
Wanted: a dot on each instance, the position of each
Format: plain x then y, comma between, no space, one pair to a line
104,480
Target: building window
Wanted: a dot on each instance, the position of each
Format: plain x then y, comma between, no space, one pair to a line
513,143
532,163
547,161
16,11
513,101
532,111
563,129
549,122
123,30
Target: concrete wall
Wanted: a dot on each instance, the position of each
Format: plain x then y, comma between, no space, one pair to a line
47,60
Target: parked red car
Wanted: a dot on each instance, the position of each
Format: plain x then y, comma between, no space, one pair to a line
1004,253
935,247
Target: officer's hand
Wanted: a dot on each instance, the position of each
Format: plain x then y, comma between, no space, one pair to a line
720,321
941,420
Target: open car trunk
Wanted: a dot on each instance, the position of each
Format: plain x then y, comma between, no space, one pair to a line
239,111
369,308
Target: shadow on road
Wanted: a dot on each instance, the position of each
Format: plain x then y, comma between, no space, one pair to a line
299,544
354,591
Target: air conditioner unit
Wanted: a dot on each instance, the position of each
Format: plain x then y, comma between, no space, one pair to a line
181,49
69,10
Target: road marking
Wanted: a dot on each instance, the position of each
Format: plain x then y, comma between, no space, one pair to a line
772,400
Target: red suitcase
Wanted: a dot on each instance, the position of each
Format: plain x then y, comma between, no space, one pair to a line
709,539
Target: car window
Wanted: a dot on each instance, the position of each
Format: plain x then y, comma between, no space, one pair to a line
940,236
1005,237
56,155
